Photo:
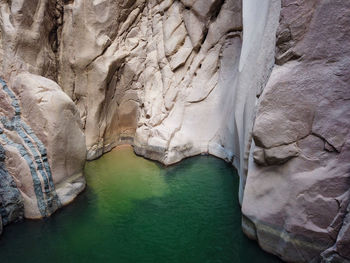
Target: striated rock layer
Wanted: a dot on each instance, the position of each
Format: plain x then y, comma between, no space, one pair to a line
43,142
263,84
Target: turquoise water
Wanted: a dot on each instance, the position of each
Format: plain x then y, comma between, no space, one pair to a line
135,210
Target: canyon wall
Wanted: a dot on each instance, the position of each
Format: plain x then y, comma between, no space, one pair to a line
297,195
262,84
155,77
168,77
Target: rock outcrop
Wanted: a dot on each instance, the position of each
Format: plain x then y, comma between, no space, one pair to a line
44,144
262,84
297,195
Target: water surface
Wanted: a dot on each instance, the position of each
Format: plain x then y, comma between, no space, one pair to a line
135,210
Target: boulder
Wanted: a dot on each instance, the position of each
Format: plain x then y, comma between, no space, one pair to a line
44,142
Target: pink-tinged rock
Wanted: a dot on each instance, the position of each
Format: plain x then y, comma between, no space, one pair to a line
299,210
55,120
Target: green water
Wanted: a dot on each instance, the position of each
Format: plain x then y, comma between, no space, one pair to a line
135,210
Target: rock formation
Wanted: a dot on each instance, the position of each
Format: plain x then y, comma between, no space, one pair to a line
42,140
297,196
44,146
262,84
11,202
154,74
168,77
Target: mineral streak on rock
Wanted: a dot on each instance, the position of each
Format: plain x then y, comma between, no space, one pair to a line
16,125
28,157
11,203
47,199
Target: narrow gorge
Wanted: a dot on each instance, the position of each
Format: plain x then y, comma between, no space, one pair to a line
261,84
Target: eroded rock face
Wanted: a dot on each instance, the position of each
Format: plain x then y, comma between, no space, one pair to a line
298,188
55,119
153,74
176,78
170,77
29,37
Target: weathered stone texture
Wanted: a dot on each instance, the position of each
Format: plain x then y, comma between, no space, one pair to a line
40,127
298,208
263,84
153,75
28,36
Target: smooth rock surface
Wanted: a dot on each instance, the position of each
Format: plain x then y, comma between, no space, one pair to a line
44,142
173,78
146,76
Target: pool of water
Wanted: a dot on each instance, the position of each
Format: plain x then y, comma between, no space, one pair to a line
135,210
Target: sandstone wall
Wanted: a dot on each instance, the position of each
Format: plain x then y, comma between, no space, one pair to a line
29,37
297,195
155,76
168,77
176,78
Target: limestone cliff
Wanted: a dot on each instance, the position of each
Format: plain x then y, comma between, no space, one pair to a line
262,84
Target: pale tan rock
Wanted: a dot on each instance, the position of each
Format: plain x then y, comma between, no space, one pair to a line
168,67
195,28
180,78
29,41
45,105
